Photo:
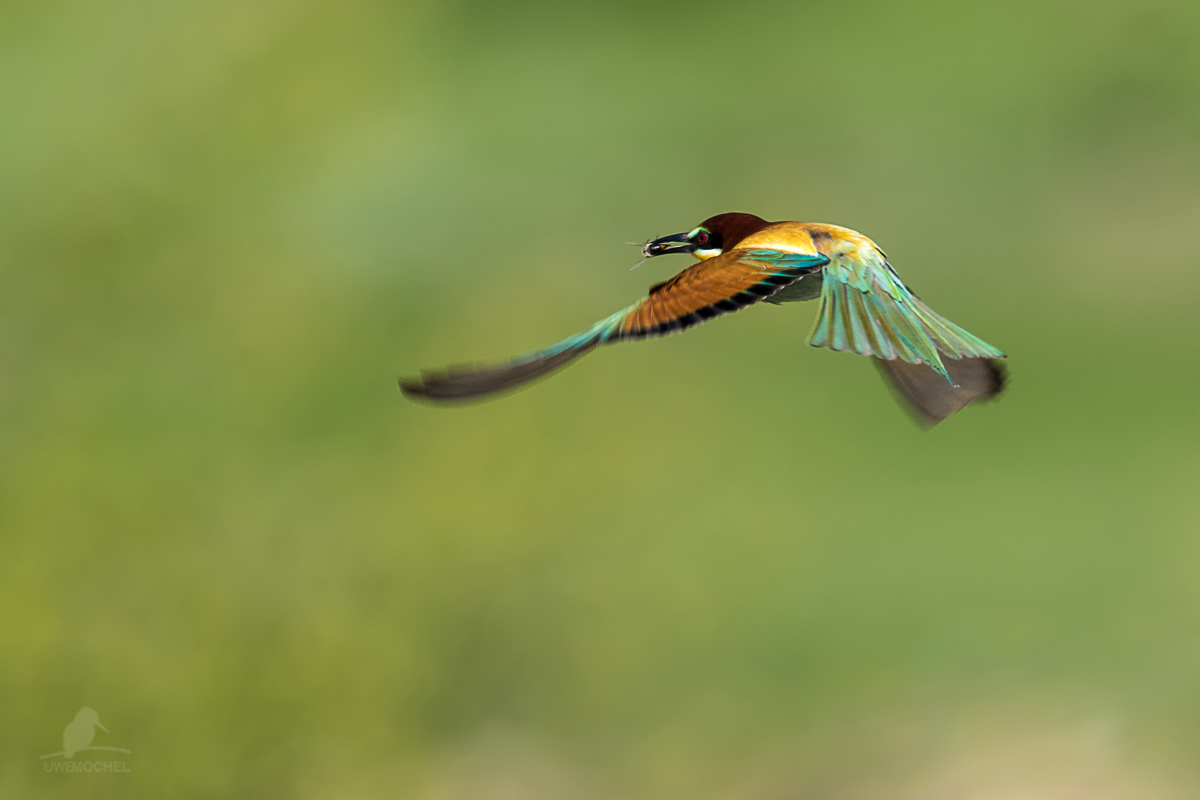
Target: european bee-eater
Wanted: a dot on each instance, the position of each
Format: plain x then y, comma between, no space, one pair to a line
935,366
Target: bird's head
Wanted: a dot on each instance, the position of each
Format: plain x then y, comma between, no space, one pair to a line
710,238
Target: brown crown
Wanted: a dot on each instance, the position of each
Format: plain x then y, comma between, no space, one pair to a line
734,227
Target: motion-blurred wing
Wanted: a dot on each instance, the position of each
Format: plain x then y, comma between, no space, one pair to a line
930,398
716,286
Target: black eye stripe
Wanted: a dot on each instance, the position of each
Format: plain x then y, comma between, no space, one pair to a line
707,240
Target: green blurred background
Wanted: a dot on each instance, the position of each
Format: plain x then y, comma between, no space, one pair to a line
722,565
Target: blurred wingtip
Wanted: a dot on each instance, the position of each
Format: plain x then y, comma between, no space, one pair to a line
456,386
470,383
929,398
415,388
999,375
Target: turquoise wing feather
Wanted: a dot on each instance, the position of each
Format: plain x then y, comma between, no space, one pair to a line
867,309
720,285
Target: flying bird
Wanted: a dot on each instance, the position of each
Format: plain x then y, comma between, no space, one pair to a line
934,366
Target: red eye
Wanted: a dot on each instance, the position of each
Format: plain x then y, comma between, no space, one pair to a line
702,237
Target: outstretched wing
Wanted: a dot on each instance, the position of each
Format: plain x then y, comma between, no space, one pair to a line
719,285
867,309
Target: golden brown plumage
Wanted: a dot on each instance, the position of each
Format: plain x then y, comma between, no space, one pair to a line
699,287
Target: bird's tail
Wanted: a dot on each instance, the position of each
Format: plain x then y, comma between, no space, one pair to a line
474,381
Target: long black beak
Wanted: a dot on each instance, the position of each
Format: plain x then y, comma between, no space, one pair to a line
668,244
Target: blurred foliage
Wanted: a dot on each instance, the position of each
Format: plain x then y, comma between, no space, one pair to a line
721,565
